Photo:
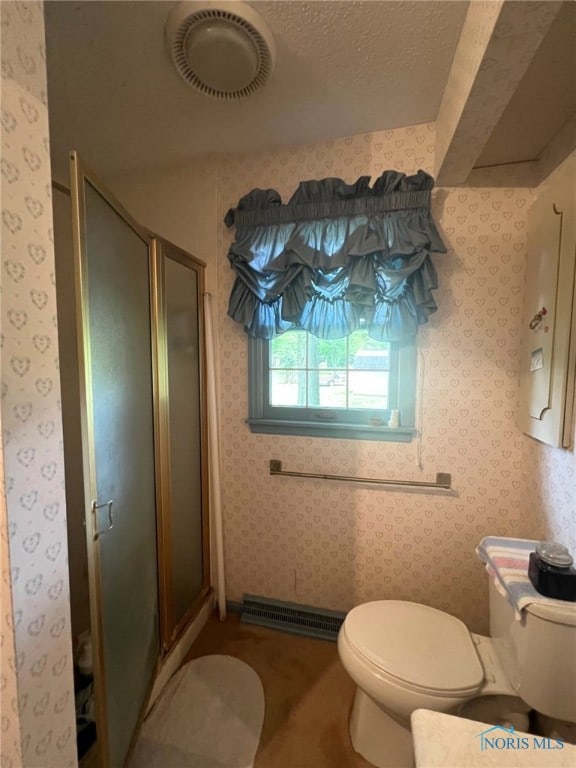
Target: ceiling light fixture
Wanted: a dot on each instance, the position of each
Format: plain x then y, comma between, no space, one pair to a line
223,49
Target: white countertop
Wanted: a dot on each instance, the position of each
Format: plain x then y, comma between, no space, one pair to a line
446,741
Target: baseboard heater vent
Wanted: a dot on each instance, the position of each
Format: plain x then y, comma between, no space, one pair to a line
291,617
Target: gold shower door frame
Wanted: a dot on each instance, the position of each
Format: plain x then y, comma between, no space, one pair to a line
172,629
169,630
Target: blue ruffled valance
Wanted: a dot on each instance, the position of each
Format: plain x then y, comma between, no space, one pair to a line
337,257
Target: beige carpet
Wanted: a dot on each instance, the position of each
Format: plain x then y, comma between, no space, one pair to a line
308,694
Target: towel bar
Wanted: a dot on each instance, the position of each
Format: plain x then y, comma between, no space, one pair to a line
443,479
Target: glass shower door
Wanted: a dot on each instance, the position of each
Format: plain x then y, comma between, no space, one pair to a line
185,532
113,279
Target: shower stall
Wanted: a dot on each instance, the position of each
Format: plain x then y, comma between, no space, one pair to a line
133,402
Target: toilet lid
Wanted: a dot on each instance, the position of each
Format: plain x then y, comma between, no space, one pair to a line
418,645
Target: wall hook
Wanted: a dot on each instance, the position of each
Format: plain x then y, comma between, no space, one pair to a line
537,319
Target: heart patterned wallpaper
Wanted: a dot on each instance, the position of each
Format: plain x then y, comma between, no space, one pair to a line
549,490
334,544
10,751
39,630
318,542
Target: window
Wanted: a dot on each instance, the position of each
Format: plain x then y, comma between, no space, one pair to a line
302,385
336,260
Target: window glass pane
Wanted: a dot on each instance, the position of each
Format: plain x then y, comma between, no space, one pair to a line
368,389
288,388
314,389
326,353
288,350
348,373
327,389
332,378
371,360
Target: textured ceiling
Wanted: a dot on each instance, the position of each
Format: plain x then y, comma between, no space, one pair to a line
343,68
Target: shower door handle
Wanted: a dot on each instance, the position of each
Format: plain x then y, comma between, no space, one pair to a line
95,508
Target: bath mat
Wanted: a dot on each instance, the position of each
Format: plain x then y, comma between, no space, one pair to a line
209,715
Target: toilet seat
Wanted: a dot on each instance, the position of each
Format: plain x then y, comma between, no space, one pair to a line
416,647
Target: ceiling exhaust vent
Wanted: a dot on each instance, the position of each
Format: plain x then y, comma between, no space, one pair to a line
223,49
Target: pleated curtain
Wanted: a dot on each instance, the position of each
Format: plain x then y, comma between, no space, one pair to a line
336,258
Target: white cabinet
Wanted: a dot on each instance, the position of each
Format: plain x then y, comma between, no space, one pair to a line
548,354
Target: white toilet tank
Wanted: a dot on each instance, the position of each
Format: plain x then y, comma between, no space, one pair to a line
538,653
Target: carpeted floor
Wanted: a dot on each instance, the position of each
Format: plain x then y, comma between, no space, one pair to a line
308,694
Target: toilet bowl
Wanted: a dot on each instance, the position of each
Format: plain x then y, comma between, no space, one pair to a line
428,660
405,656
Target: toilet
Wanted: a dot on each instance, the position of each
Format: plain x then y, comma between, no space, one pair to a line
405,656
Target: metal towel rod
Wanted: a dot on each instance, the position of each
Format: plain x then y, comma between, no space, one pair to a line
443,479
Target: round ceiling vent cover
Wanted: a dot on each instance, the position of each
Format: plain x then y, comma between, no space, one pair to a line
223,49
